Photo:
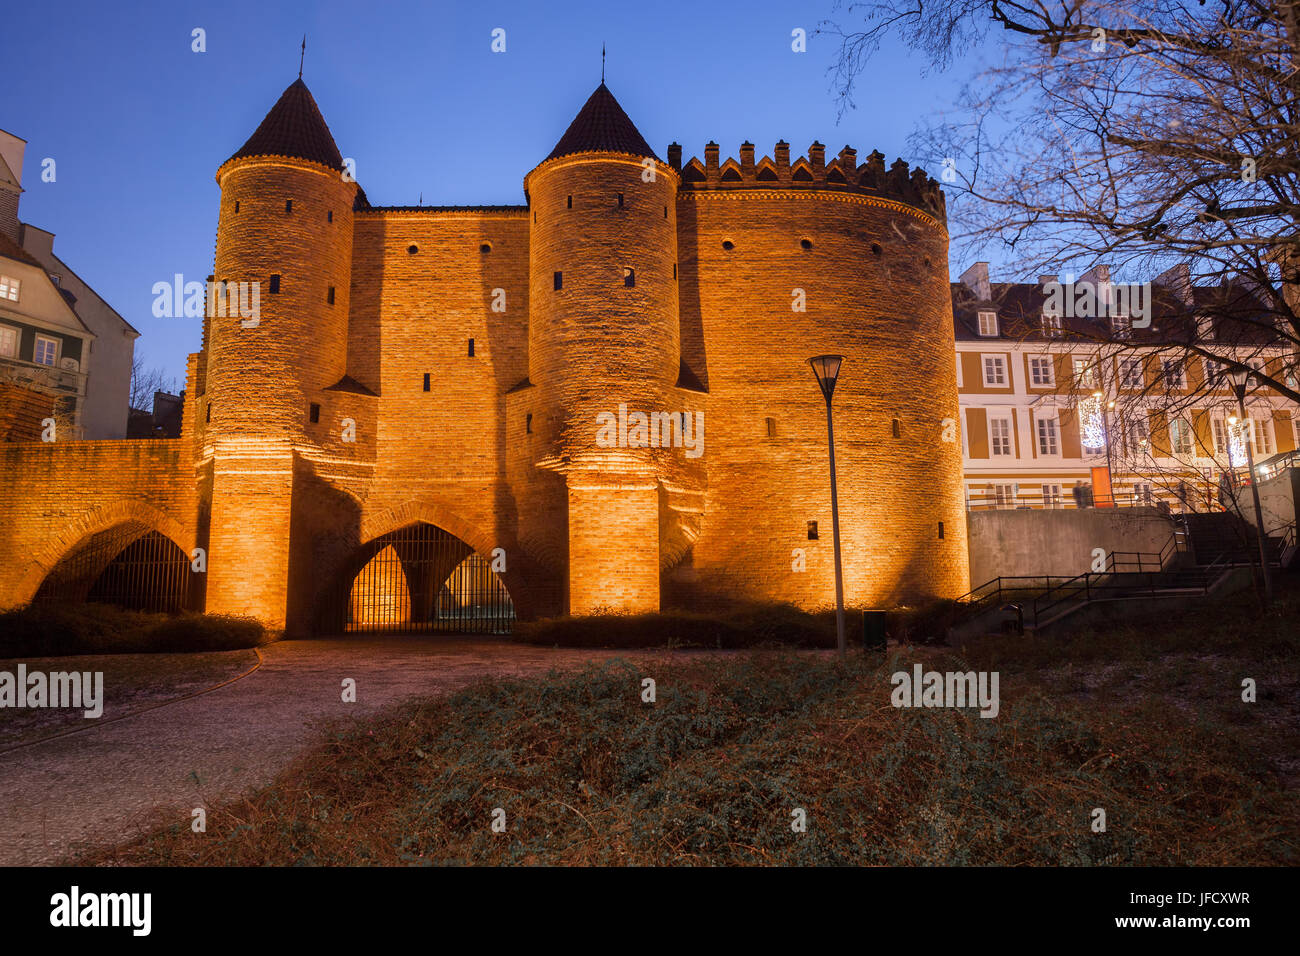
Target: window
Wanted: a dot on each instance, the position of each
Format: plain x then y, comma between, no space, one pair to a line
471,348
1130,373
236,205
1180,437
1047,443
426,381
559,281
46,352
1143,492
620,200
771,428
275,284
1042,372
412,249
1004,495
1052,326
485,248
8,342
1000,436
313,413
1121,326
528,423
56,278
288,207
812,530
1219,428
329,216
1175,374
805,243
1138,437
207,415
728,244
9,288
629,278
1213,373
1262,435
1052,497
674,270
1085,374
329,295
940,529
897,428
995,370
570,206
988,323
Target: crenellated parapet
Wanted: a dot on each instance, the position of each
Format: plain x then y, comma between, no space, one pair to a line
898,181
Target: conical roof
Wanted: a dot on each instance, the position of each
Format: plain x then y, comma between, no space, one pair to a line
294,128
602,126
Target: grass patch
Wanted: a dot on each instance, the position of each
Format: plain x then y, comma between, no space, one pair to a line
710,773
45,631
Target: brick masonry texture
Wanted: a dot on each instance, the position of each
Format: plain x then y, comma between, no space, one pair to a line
500,449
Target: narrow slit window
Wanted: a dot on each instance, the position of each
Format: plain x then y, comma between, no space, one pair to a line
620,200
941,529
313,413
471,348
426,381
559,281
812,530
329,216
207,416
288,207
570,202
236,205
897,428
674,270
629,278
329,295
771,428
275,284
528,423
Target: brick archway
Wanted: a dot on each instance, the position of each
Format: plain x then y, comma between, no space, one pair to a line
90,522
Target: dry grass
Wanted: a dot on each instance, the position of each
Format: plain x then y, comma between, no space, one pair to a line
1149,726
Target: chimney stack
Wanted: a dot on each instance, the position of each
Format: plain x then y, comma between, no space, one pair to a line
675,156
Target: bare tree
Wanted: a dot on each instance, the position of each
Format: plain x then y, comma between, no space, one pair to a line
146,381
1144,134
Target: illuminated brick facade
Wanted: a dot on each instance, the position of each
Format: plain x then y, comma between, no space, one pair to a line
455,365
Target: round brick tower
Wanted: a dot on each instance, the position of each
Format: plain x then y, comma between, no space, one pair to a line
604,342
283,257
285,230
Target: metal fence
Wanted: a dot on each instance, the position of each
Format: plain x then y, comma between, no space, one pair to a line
126,566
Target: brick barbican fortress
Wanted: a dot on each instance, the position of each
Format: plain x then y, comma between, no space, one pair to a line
449,367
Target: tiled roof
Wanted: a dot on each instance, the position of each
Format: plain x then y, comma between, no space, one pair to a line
602,126
294,128
1235,314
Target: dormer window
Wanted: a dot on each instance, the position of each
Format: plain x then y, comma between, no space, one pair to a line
1051,326
1205,328
988,323
9,288
1121,326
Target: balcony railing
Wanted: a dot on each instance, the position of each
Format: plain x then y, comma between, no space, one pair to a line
44,378
991,501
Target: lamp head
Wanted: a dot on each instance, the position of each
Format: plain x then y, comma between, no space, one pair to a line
827,370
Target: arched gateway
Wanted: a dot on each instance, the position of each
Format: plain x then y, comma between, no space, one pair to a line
417,578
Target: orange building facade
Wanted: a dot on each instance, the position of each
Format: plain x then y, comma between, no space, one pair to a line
603,393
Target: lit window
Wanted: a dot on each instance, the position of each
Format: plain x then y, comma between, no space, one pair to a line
1263,436
1000,436
1175,374
1052,496
1180,437
1047,444
46,352
9,288
1130,373
8,342
995,370
1138,437
1085,374
988,323
1004,495
1041,370
1052,326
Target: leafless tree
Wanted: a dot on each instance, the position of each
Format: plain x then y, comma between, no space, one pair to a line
146,381
1138,133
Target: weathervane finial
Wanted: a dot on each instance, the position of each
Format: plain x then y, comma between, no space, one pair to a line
302,56
602,64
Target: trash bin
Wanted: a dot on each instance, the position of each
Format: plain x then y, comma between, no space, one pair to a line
1013,619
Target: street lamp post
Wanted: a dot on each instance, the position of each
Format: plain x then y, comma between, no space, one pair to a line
827,370
1239,380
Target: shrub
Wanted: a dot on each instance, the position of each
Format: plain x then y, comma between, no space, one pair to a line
48,631
746,626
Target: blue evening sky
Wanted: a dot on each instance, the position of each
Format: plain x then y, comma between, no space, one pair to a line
138,123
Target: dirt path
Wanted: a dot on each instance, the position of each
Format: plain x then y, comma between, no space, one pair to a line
90,789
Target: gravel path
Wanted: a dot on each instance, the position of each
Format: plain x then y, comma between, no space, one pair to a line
91,789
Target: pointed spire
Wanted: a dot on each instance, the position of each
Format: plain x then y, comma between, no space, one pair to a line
302,56
602,126
602,64
294,128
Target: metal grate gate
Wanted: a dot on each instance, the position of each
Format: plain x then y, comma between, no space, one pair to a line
127,566
421,578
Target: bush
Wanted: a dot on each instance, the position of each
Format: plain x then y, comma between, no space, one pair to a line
45,631
751,626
